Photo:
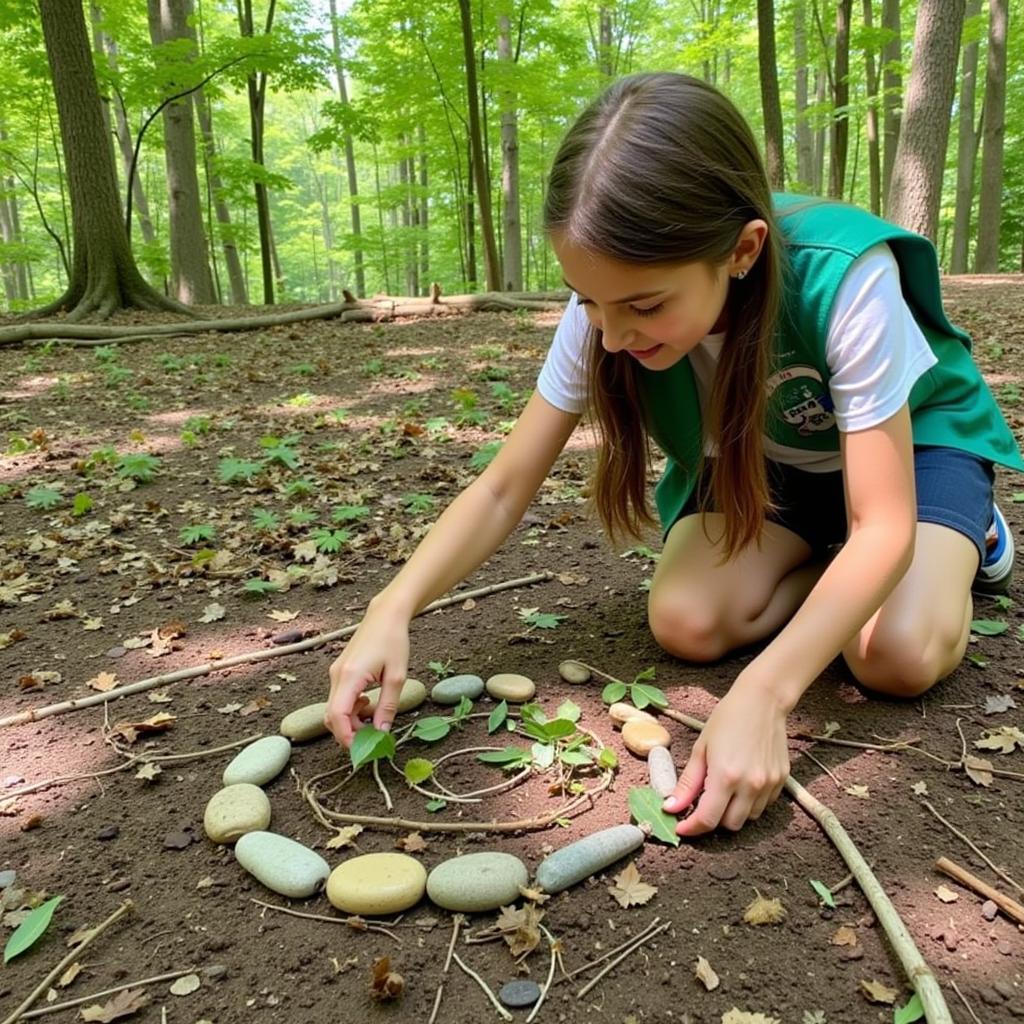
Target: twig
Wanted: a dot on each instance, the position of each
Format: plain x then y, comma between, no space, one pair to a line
458,922
437,1003
35,714
824,767
897,745
844,882
380,785
358,924
622,956
1008,906
952,828
611,952
963,741
553,944
54,1007
69,959
974,1016
503,1013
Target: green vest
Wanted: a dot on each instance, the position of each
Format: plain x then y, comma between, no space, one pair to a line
950,404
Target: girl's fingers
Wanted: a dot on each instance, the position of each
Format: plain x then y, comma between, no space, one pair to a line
737,813
387,704
708,813
690,783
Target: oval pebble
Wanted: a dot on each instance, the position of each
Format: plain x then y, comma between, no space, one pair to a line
477,881
454,688
661,770
413,694
620,713
305,723
518,994
377,883
259,762
282,864
511,686
642,737
235,810
574,672
587,856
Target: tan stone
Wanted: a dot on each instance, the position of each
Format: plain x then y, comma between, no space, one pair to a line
641,737
377,883
620,713
574,672
305,723
511,686
235,810
413,694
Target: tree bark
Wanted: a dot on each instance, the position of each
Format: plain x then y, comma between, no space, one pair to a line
770,103
104,276
892,94
916,186
512,261
421,135
990,204
840,130
967,151
874,151
820,135
804,140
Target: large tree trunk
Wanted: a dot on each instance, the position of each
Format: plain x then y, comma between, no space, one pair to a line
191,280
512,261
605,65
990,205
840,131
804,141
921,152
421,136
967,151
104,276
892,93
820,94
874,152
770,103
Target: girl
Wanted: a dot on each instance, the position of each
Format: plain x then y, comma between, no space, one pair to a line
792,359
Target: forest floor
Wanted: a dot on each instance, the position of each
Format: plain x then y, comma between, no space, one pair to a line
385,422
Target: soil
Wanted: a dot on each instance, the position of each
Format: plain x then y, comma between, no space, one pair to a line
97,584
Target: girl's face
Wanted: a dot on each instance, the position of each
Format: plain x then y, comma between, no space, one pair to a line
657,313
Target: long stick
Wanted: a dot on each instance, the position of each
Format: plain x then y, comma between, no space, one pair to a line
1008,906
141,983
68,960
917,970
622,956
34,714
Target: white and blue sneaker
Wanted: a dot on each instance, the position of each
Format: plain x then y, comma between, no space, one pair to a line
996,570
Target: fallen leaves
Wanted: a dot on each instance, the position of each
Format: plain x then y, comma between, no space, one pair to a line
764,911
844,936
862,792
346,837
385,984
520,928
213,612
185,985
124,1004
877,992
412,843
148,772
706,975
131,731
978,770
920,788
997,704
1005,740
104,682
282,616
628,890
735,1016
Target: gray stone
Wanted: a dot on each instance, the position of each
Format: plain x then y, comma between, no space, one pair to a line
7,878
518,994
411,696
662,771
574,672
282,864
305,723
235,810
477,881
587,856
259,762
454,688
989,910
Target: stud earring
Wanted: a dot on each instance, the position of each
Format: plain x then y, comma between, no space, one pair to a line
739,275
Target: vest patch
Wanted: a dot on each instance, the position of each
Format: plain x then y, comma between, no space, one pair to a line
800,397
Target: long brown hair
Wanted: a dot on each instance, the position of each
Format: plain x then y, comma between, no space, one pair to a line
662,168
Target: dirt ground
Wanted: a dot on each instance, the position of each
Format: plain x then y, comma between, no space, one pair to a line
384,421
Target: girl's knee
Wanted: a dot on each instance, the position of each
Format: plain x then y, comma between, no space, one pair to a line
687,628
904,662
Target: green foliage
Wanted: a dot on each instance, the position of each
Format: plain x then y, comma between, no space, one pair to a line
81,504
537,619
989,627
418,504
824,893
496,719
43,498
301,517
31,929
233,470
641,693
431,729
371,744
349,513
282,450
417,770
330,540
645,806
484,455
259,587
196,533
138,466
263,519
913,1011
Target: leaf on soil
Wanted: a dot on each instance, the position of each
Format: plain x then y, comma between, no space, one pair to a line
213,612
412,843
628,890
79,935
255,705
104,682
914,1010
645,806
735,1016
844,936
536,895
61,610
946,894
417,770
284,616
762,911
31,929
370,744
124,1004
185,985
1004,739
814,1017
229,709
920,788
876,992
520,928
159,697
131,731
39,678
384,983
305,551
824,893
996,705
148,772
859,791
706,974
978,770
989,627
346,837
69,975
92,624
831,728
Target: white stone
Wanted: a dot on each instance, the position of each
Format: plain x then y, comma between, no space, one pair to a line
661,770
477,881
282,864
235,810
259,762
413,694
305,723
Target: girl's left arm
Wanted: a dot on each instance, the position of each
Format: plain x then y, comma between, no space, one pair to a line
741,758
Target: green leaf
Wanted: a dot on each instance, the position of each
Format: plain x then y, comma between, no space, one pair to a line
507,756
613,692
575,757
645,806
607,758
43,497
26,934
543,755
532,713
570,711
463,708
909,1013
824,893
989,627
370,744
82,504
558,728
436,805
431,729
643,694
417,770
497,717
230,470
646,675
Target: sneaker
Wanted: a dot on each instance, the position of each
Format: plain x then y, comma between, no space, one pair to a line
994,573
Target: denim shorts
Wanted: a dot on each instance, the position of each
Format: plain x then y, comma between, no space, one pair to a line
954,489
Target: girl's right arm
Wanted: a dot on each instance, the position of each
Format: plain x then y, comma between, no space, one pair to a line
468,532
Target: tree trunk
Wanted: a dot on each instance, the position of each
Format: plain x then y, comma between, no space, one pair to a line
380,222
191,280
990,205
769,74
820,92
874,152
967,151
604,42
104,276
471,275
7,268
421,135
921,151
512,261
892,94
492,270
840,130
804,141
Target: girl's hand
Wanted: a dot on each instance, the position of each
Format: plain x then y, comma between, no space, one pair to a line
738,764
377,653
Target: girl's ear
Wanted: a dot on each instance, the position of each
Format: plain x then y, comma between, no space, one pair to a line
748,246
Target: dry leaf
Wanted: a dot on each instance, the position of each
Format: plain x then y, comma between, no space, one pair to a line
412,843
831,728
384,983
131,731
229,709
205,883
304,552
762,911
345,837
468,605
946,894
920,788
159,697
978,770
185,985
844,936
104,682
212,612
628,890
282,616
876,992
148,772
535,895
706,974
859,791
520,928
735,1016
124,1004
92,624
258,704
1004,739
69,975
79,935
61,610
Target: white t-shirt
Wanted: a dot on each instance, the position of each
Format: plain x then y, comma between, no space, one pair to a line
875,353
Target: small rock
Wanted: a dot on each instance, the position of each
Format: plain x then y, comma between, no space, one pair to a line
119,885
259,762
305,723
10,781
454,688
413,694
662,771
7,878
117,652
1005,989
642,737
1004,947
291,636
851,953
620,713
511,686
178,840
722,871
377,883
587,856
235,810
989,910
477,881
215,972
282,864
518,994
574,672
108,832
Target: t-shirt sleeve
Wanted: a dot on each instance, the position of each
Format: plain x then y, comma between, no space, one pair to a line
875,349
563,378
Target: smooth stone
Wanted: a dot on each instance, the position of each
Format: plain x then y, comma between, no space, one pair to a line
518,994
620,713
454,688
477,881
573,672
511,686
377,883
587,856
305,723
259,762
989,910
661,770
413,694
282,864
235,810
642,737
7,878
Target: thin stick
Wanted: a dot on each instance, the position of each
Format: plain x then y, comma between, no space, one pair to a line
552,943
622,956
54,1007
69,959
897,745
824,767
963,742
1008,906
974,1016
437,1004
502,1012
380,785
611,952
952,828
459,919
362,925
35,714
844,882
